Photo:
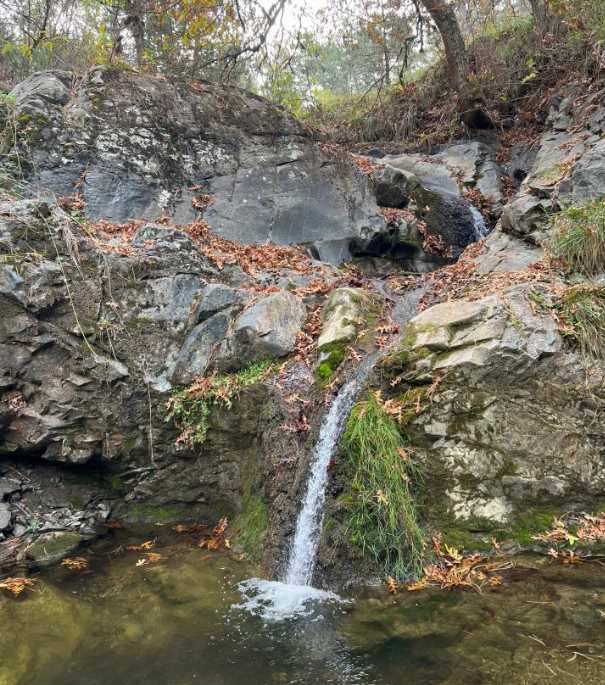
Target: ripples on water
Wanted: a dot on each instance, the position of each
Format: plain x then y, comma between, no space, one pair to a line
193,618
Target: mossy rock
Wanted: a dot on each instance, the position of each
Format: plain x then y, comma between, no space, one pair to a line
331,357
50,548
250,526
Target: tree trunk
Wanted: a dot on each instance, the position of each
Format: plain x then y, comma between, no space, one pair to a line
455,52
538,9
135,23
471,108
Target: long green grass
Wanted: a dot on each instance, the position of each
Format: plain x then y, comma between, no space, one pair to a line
582,314
382,519
579,237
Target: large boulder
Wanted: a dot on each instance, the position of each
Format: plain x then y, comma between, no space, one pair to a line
438,222
342,316
267,329
137,146
503,411
454,168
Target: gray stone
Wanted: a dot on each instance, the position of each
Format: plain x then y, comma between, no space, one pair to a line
525,216
5,517
505,253
587,179
342,315
268,328
45,86
49,548
391,187
214,298
199,348
431,172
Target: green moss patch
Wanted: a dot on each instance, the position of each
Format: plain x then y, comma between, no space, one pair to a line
154,513
251,525
335,356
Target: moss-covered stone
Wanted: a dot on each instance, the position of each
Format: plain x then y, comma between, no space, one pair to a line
50,548
153,513
332,357
250,525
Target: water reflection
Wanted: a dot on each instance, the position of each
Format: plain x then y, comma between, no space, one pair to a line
183,621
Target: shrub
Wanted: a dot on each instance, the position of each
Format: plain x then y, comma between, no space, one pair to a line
189,408
581,312
382,517
579,237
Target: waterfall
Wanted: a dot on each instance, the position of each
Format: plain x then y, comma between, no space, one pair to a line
303,552
480,227
294,596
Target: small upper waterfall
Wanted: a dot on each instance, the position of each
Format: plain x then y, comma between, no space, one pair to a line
481,228
303,552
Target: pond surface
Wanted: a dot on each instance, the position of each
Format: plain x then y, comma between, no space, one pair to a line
176,621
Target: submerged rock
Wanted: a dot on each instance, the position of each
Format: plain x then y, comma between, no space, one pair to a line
50,548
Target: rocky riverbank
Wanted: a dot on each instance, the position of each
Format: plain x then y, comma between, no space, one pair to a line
175,314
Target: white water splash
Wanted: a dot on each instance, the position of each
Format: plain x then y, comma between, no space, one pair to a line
276,601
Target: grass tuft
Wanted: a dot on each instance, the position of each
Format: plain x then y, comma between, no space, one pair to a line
383,518
579,237
581,313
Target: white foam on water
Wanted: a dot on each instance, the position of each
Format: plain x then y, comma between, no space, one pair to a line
275,601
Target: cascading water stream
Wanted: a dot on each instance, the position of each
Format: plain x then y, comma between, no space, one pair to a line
277,600
308,525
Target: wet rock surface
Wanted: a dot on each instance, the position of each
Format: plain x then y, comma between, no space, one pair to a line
98,332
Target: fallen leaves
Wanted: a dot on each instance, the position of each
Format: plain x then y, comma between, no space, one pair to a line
566,532
251,258
217,539
302,425
307,337
182,528
76,564
202,202
365,165
455,570
150,558
462,280
143,547
14,400
16,585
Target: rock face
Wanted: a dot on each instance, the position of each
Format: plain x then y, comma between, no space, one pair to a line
342,315
147,147
439,222
569,166
457,166
506,430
